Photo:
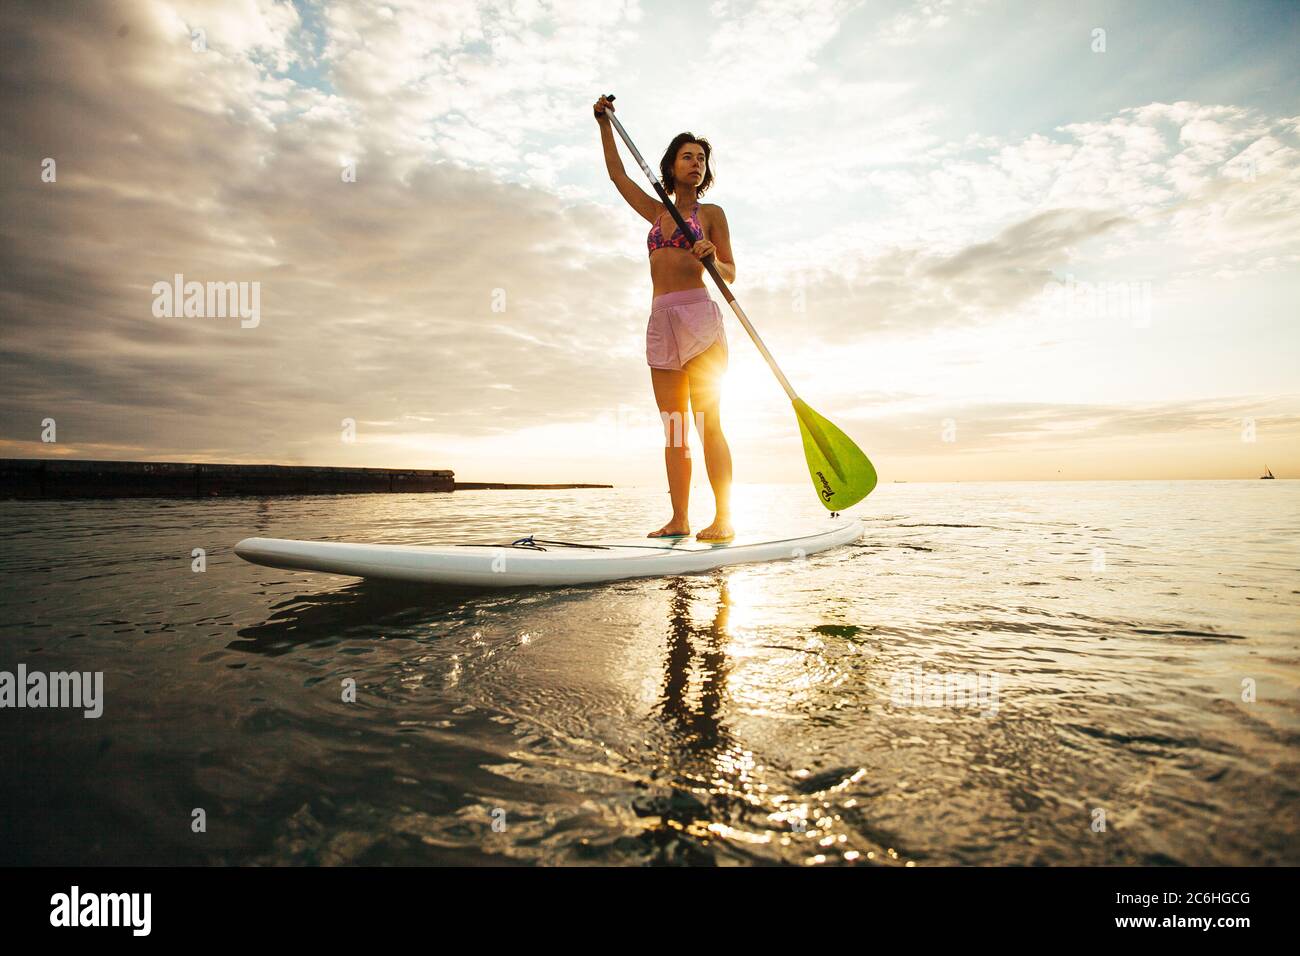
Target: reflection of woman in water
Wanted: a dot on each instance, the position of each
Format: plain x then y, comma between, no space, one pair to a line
699,744
700,729
716,783
686,344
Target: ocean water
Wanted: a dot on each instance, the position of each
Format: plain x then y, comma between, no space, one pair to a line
997,673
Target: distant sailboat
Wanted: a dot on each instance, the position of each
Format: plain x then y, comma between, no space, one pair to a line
1267,474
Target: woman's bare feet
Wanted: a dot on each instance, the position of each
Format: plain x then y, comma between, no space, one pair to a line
673,529
720,530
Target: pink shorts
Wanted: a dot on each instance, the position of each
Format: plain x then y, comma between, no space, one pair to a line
682,325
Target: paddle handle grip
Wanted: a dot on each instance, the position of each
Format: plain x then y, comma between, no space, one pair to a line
707,261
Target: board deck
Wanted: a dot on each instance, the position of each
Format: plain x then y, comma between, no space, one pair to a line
550,563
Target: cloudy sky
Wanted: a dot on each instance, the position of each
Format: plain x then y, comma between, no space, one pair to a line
988,240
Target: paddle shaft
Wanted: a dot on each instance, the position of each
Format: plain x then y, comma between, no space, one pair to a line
707,260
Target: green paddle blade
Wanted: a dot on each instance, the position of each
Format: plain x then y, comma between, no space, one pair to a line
841,473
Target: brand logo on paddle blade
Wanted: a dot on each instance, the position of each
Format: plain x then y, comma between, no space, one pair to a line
827,492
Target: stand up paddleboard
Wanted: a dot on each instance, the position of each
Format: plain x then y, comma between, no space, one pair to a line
533,561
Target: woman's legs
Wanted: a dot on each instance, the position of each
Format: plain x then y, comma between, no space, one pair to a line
705,376
672,395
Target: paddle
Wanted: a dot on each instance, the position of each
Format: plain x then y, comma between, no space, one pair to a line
841,473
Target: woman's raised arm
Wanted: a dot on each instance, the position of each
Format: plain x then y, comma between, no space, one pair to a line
646,206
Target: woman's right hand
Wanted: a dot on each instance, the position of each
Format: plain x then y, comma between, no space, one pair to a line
602,104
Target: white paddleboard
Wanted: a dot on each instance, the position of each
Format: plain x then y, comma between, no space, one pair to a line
533,561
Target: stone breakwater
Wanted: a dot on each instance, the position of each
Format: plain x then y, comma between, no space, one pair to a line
35,478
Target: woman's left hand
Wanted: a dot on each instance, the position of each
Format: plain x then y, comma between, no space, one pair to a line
703,248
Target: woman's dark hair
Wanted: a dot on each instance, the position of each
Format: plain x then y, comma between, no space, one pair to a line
670,157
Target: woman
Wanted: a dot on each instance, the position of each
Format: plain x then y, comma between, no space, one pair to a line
686,345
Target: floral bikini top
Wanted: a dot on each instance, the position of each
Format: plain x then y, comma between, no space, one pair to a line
656,238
